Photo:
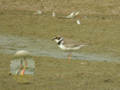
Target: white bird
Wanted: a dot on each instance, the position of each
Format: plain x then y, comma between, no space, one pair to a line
76,13
71,15
78,21
38,12
53,14
67,46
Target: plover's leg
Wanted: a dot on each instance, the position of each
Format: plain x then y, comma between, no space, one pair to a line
70,56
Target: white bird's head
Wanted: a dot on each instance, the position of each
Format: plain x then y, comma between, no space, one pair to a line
58,39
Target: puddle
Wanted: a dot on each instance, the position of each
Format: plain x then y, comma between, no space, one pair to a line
42,47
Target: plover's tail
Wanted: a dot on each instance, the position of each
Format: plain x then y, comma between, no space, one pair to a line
78,47
83,45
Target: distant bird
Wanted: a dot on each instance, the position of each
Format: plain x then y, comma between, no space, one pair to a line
67,46
53,14
38,12
71,15
23,55
78,21
76,13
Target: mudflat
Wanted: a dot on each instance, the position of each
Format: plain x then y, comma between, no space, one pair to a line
99,28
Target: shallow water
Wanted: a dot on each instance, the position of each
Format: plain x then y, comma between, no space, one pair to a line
42,47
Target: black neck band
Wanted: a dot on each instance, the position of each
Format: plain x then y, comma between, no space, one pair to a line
59,42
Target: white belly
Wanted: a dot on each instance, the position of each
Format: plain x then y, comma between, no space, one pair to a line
62,47
68,48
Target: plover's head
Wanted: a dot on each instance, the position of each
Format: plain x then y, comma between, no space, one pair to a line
58,39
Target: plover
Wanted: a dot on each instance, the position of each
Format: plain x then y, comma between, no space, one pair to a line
67,46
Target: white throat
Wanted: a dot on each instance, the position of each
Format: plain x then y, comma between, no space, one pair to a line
61,45
57,41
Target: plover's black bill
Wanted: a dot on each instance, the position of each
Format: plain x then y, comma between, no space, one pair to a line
57,37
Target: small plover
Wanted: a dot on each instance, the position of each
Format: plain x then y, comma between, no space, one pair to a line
67,46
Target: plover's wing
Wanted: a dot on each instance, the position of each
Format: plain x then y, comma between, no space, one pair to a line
73,46
70,45
70,41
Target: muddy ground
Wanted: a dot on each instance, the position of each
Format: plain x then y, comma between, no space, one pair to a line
95,67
